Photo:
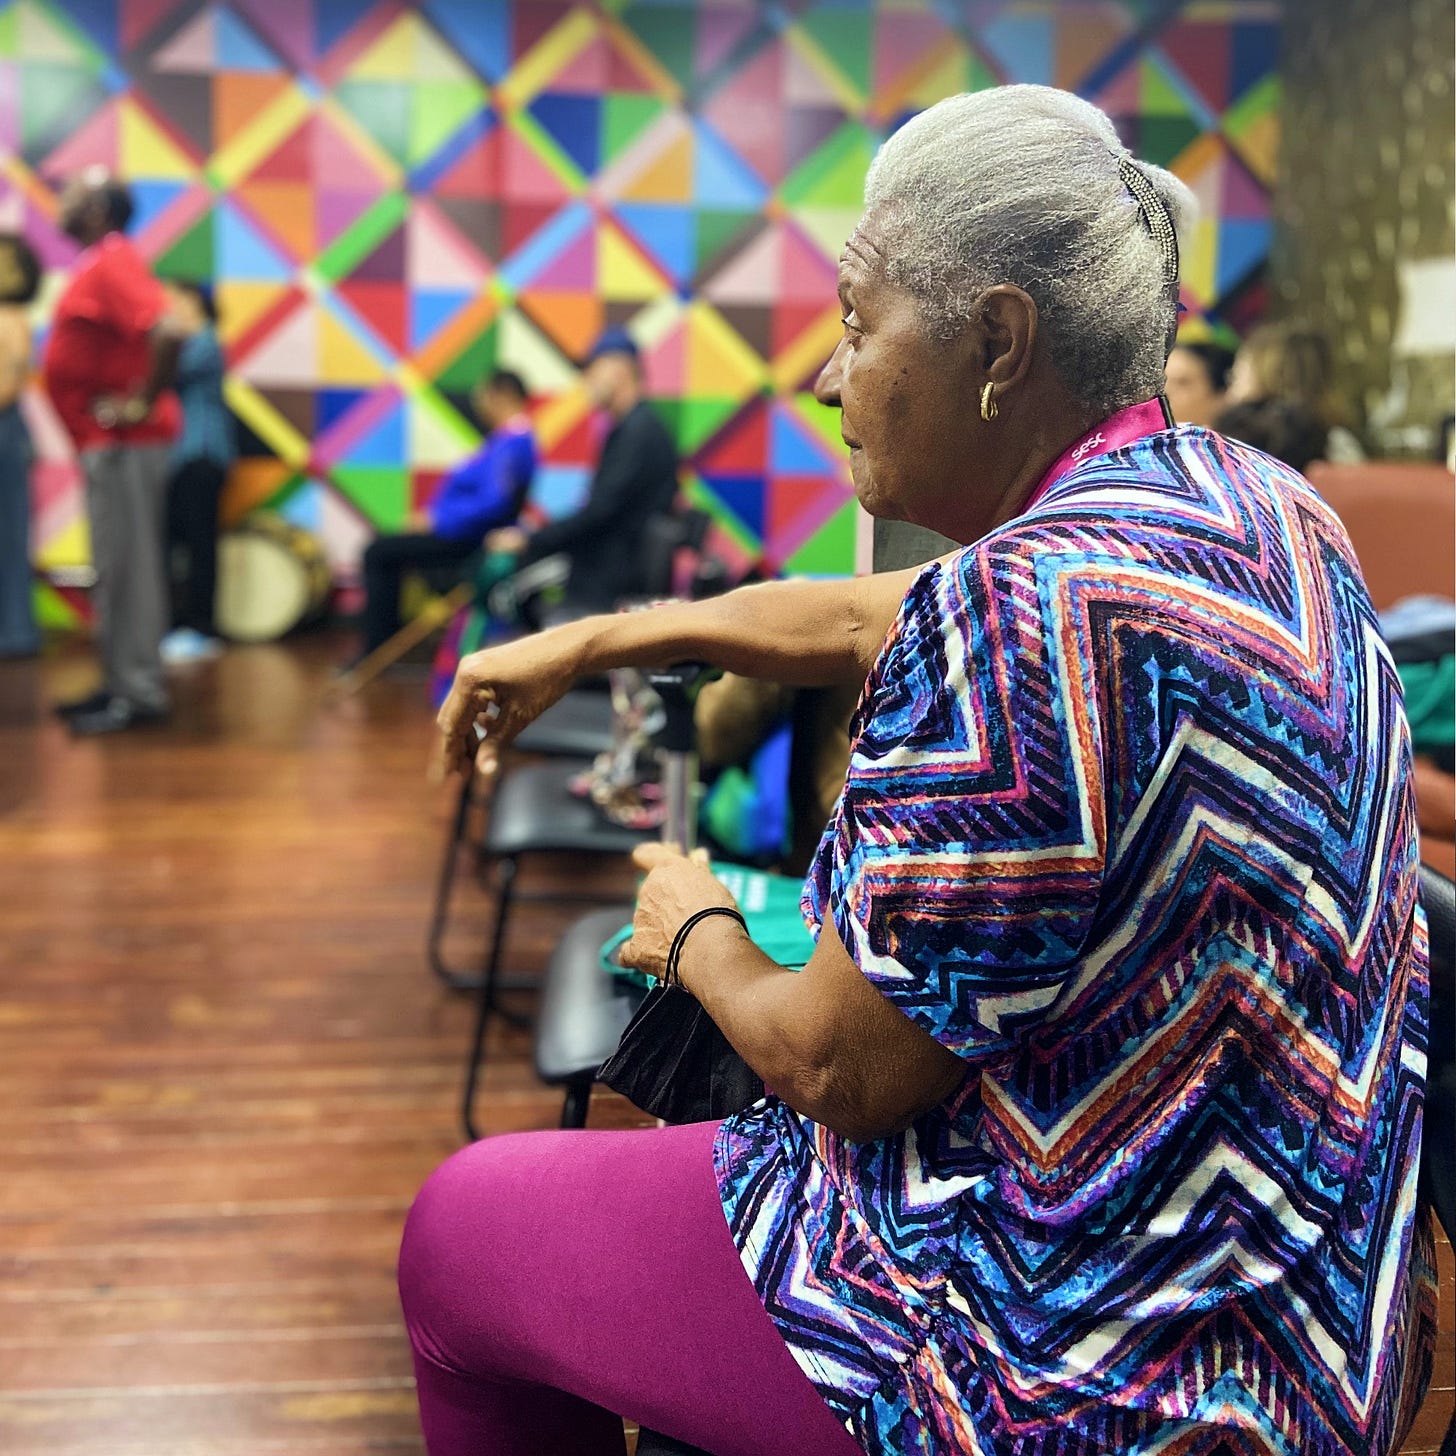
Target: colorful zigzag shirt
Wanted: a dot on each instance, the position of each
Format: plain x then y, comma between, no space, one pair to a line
1129,827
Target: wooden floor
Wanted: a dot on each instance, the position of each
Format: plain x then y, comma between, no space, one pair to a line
224,1068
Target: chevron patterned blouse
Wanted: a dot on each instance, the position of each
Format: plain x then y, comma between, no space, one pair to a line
1129,827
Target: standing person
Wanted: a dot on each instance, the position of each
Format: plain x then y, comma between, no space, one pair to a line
1197,381
635,480
484,494
200,465
108,367
19,282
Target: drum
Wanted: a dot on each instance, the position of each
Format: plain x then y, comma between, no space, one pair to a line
271,578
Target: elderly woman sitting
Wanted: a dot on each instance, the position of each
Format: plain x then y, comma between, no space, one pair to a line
1097,1108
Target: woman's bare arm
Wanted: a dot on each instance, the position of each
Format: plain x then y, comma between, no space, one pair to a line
802,633
14,355
826,1041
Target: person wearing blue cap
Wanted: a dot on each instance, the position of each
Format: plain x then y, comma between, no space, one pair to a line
635,480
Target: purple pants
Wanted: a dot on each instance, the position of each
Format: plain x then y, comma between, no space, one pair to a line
554,1282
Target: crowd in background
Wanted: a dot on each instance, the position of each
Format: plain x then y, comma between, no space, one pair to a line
135,371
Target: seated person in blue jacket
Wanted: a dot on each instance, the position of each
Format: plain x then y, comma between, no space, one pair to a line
484,494
635,479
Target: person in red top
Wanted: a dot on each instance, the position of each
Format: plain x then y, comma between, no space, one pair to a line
107,365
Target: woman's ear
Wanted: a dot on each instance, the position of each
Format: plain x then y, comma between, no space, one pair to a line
1009,324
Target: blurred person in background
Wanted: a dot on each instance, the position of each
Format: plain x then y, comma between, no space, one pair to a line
1197,381
108,368
1289,432
200,465
484,495
1294,366
635,480
19,283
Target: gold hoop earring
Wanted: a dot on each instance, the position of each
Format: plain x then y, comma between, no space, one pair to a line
989,408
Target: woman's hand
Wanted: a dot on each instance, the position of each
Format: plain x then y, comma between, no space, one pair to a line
677,886
502,690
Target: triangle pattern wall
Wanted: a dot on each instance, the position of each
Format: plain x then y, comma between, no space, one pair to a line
393,198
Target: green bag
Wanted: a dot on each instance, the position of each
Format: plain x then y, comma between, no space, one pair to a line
1430,703
770,905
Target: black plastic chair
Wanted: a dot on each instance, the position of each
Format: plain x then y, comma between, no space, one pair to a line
584,1010
578,727
533,812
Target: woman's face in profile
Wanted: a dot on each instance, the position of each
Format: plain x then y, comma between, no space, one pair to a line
906,411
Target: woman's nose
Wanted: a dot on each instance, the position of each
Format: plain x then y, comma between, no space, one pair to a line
826,387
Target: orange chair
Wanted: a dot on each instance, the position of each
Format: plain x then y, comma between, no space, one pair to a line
1402,522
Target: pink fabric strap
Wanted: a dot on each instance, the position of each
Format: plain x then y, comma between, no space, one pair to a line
1117,430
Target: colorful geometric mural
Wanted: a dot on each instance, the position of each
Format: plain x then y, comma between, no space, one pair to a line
392,198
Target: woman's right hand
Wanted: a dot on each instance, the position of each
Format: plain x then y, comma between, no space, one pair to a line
500,691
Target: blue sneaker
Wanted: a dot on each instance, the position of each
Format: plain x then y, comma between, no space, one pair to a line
184,647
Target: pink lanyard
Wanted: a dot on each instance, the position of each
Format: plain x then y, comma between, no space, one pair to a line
1127,425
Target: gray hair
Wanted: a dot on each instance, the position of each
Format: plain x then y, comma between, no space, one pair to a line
1025,185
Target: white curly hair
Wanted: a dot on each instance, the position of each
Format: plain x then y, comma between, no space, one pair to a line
1028,185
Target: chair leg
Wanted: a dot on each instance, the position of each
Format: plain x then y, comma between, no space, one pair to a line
490,972
578,1102
435,941
485,1002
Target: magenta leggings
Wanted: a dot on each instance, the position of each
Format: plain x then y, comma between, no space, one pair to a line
555,1282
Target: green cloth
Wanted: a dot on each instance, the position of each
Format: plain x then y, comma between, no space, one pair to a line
1430,702
770,905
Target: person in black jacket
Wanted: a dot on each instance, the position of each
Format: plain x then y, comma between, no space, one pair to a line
635,480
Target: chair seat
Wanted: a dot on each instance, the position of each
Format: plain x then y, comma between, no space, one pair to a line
533,813
584,1009
579,726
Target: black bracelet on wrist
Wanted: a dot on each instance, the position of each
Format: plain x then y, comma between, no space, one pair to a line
670,974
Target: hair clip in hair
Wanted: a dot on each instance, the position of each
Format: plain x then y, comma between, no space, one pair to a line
1155,215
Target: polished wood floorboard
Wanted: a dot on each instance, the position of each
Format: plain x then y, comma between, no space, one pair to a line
225,1069
224,1066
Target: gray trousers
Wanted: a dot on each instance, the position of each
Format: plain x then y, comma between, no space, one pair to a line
126,499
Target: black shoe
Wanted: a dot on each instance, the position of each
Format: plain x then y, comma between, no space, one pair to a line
89,704
115,716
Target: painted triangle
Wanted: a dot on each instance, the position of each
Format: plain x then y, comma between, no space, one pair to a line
1201,52
288,357
573,269
98,140
570,320
666,231
480,33
384,263
903,39
439,257
721,179
1023,45
430,309
186,102
479,221
139,18
239,98
743,495
238,47
193,49
332,405
383,305
384,444
574,124
722,28
743,449
295,405
792,451
845,37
